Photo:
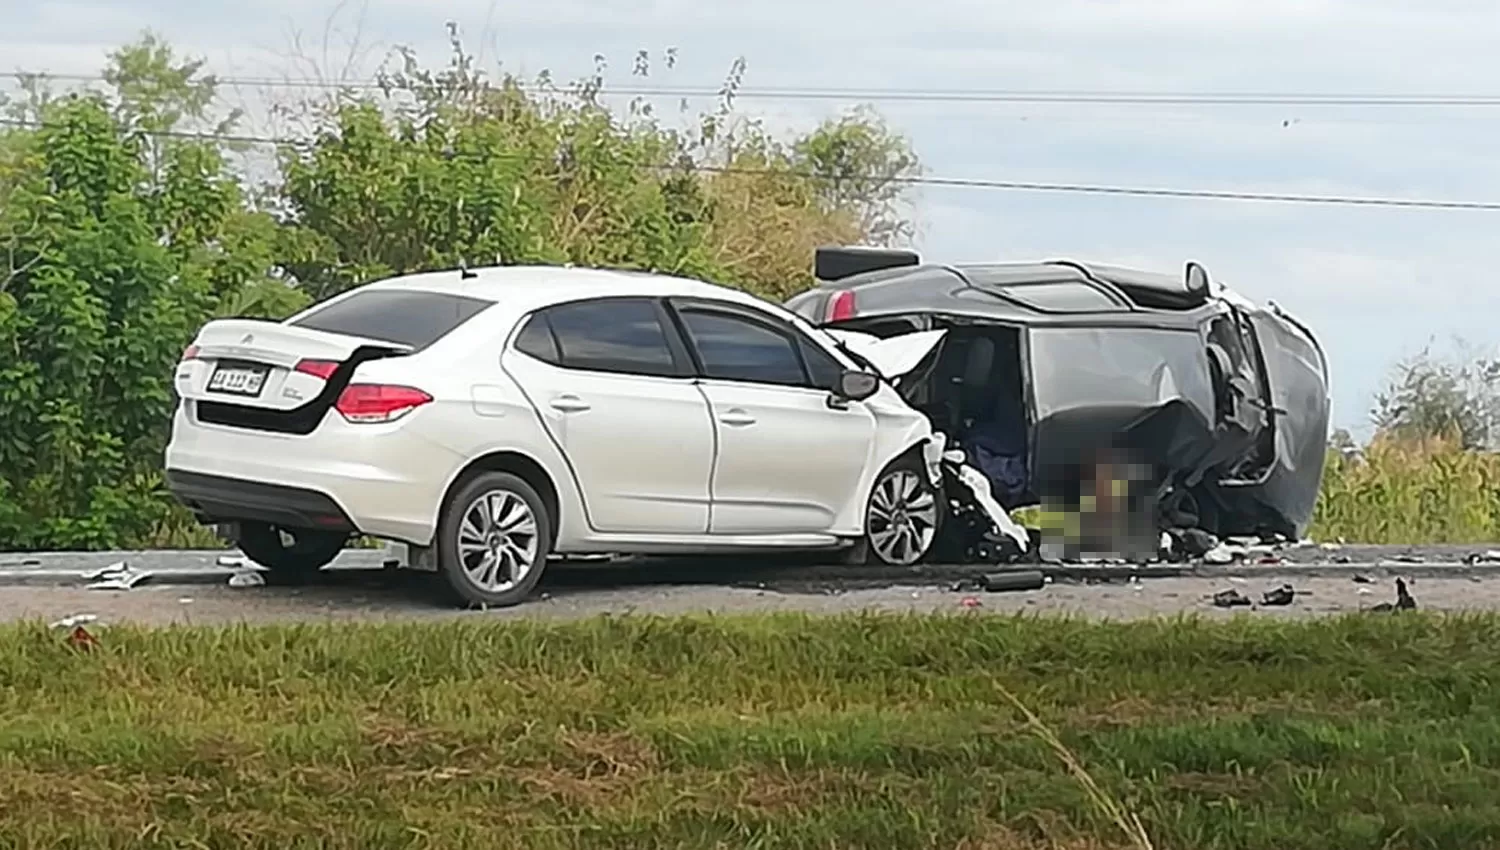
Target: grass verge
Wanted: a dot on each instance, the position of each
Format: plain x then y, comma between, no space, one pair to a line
858,731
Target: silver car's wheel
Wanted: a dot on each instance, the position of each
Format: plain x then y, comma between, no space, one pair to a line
498,540
902,519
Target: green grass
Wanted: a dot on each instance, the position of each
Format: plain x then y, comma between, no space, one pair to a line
857,731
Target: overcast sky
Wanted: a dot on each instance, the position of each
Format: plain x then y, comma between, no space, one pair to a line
1376,284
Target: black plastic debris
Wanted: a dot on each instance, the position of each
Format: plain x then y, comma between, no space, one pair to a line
1404,600
1281,596
1231,598
1018,580
1193,542
1363,579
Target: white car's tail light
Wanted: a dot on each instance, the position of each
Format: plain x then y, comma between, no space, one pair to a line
362,403
189,353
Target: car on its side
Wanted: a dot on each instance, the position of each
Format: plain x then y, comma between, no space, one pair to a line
1050,367
491,418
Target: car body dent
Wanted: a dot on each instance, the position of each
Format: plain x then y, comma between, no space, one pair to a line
899,429
894,356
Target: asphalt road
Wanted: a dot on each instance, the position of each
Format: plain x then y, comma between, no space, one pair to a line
1323,586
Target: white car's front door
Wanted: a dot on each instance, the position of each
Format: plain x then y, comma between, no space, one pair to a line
788,461
616,393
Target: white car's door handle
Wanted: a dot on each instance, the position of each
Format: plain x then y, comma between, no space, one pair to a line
569,404
736,416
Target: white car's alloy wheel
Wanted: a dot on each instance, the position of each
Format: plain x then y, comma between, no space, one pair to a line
498,540
903,517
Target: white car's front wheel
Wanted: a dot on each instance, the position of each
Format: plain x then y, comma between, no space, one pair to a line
901,518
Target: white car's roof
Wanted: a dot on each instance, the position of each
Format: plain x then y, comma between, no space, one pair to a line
529,287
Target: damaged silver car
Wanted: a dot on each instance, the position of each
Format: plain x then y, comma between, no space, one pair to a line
1138,401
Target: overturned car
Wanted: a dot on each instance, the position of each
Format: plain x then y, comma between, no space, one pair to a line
1135,400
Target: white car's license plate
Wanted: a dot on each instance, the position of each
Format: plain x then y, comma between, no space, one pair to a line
238,380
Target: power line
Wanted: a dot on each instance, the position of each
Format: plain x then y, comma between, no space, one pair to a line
945,182
1136,98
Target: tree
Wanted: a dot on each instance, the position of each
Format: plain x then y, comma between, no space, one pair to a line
1429,396
448,167
120,242
862,168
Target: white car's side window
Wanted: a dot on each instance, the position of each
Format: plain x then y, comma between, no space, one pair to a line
737,348
618,335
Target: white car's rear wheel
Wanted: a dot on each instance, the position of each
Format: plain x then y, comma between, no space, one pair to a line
290,555
901,518
494,538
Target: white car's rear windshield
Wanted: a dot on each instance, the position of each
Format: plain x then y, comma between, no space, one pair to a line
417,319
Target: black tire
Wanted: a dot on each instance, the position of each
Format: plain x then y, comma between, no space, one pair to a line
310,551
455,559
869,549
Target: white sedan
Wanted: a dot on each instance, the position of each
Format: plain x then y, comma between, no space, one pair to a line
491,418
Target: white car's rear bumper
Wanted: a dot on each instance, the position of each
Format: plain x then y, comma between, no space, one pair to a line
381,480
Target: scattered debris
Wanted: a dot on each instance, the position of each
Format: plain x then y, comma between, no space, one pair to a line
74,621
1404,600
1014,581
1408,558
1231,598
1280,596
117,576
1330,547
233,561
103,572
1193,542
247,578
1489,557
970,602
1224,553
1363,579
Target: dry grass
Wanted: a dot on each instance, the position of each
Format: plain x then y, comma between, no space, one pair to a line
859,731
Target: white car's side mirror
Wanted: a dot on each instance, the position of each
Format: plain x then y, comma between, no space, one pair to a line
855,385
